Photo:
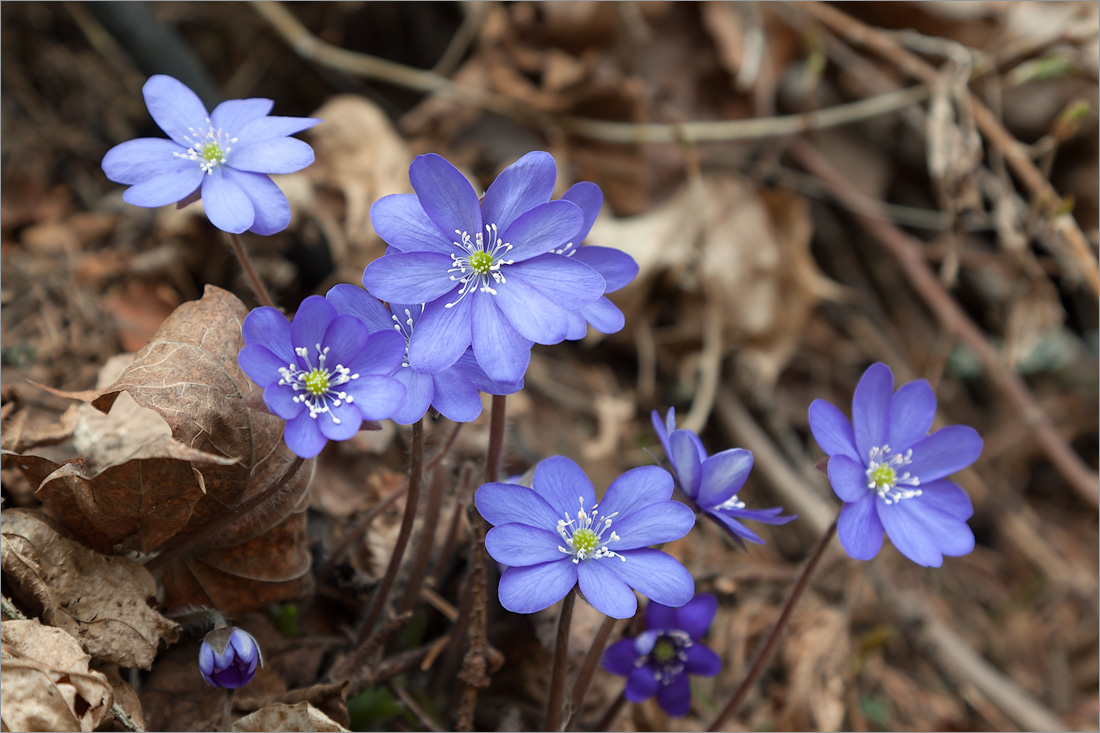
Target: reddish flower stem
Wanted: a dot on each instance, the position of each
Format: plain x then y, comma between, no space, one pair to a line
249,271
561,661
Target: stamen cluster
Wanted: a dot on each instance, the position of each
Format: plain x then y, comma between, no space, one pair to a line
479,264
317,384
585,539
209,149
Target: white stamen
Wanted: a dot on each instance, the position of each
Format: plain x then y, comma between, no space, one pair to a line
484,244
881,457
212,141
591,528
295,377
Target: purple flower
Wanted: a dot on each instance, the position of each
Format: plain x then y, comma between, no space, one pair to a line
324,374
453,392
891,474
659,660
554,536
713,482
228,657
615,267
486,271
227,154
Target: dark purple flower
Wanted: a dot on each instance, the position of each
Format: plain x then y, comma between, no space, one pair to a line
555,536
454,392
324,374
228,657
659,660
486,271
228,154
892,475
714,482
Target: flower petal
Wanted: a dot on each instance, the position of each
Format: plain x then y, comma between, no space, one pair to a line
413,277
280,399
266,128
848,478
909,534
530,589
175,108
455,397
260,364
268,327
564,486
272,211
470,370
871,408
685,461
635,489
727,521
589,199
135,161
227,205
656,575
499,349
912,410
604,589
702,661
419,393
381,353
534,316
944,452
859,528
722,475
402,223
504,503
618,658
663,521
832,430
661,617
446,195
949,497
277,155
376,397
696,616
520,187
664,428
616,267
642,684
233,114
518,545
562,279
303,436
442,335
176,183
342,421
603,315
309,325
355,301
542,229
675,697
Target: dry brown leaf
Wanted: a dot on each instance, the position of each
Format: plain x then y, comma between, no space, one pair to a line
281,717
100,600
45,682
816,652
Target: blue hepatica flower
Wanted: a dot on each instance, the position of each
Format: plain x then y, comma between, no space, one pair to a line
659,660
486,271
713,482
892,475
454,392
224,156
615,267
228,657
324,374
555,536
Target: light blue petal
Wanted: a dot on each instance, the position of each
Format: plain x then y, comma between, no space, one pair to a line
520,187
944,452
266,128
848,478
663,521
260,364
506,503
949,497
909,534
376,397
446,195
637,488
616,267
350,300
419,392
309,325
341,422
686,462
268,327
415,277
577,326
176,109
272,211
912,410
346,339
562,279
562,483
604,316
727,521
589,199
303,436
656,575
534,316
871,408
455,397
279,398
722,475
518,545
402,223
832,430
931,525
232,115
227,205
859,528
531,589
542,229
383,353
277,155
143,159
499,349
442,335
177,182
603,588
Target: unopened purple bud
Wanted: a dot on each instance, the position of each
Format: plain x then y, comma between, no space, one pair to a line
228,657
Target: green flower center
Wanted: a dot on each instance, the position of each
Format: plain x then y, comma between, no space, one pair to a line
316,382
884,476
585,540
481,262
212,152
583,535
664,651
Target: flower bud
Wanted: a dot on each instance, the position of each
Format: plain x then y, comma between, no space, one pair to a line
228,657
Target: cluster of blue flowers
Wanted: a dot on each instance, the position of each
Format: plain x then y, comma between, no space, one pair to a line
453,309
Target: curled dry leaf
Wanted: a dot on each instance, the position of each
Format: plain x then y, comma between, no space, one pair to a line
45,682
282,717
100,600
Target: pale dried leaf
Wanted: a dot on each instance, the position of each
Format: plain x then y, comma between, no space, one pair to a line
816,652
45,682
282,717
100,600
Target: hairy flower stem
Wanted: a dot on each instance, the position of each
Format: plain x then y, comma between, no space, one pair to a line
227,710
561,661
496,440
769,645
189,542
249,271
422,548
588,670
381,596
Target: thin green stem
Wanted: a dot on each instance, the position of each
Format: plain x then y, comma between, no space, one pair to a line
249,271
561,661
769,646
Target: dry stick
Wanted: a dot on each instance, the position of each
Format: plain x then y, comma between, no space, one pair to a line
561,661
360,528
310,47
422,553
588,670
382,595
249,271
992,129
354,666
908,252
190,541
413,706
766,651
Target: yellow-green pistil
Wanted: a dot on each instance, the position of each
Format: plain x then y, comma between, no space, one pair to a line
884,475
212,152
209,148
480,262
316,382
664,651
477,265
583,536
318,387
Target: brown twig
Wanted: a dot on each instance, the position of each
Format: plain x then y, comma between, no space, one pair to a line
908,252
354,666
556,695
249,271
361,526
415,708
425,540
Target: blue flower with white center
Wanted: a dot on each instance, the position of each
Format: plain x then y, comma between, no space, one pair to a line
892,475
486,271
555,536
228,657
714,482
324,373
659,660
453,392
224,157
